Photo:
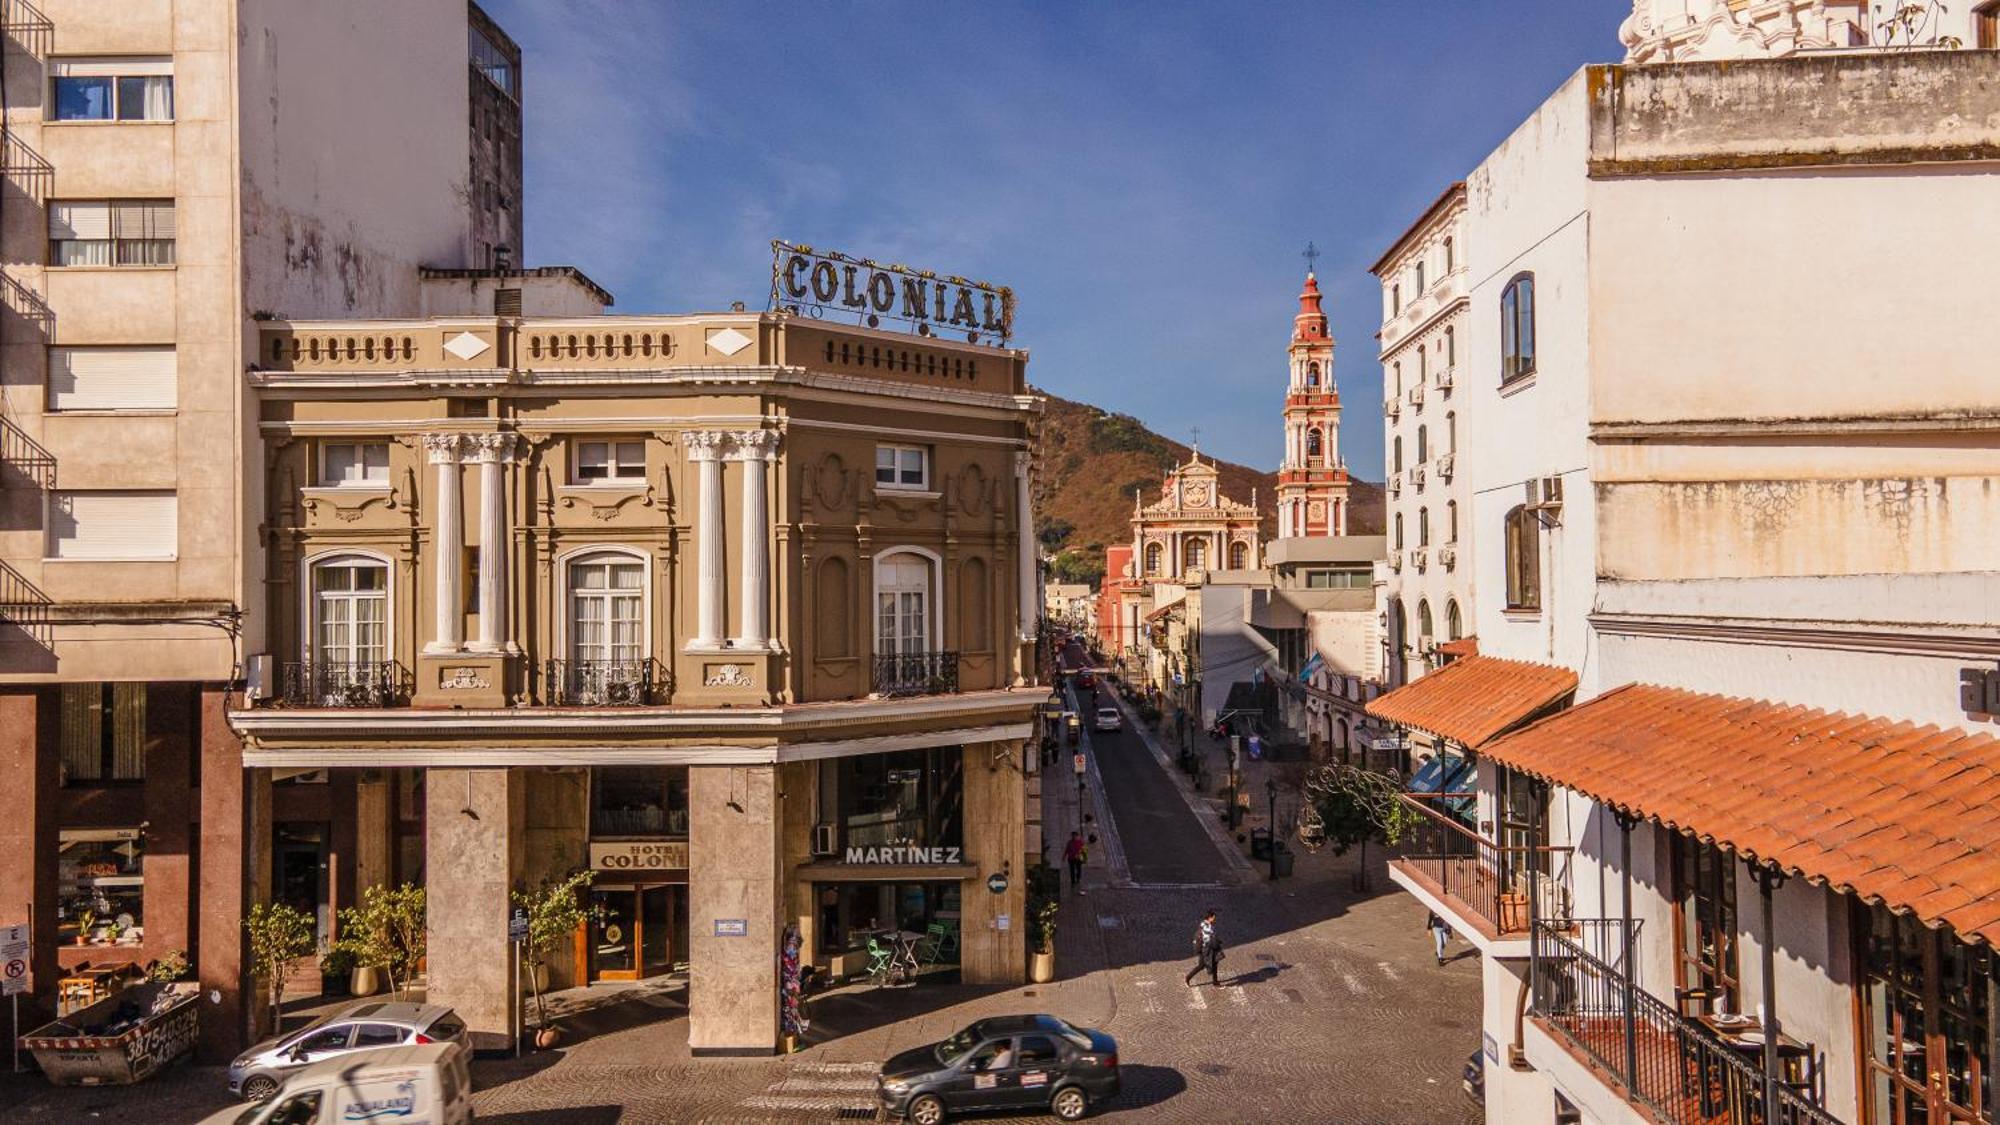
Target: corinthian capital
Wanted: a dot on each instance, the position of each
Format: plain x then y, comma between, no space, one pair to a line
705,445
482,448
444,449
753,445
1024,463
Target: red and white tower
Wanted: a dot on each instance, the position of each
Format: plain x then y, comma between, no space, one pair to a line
1312,481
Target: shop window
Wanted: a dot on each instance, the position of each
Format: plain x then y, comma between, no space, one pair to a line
1705,939
638,801
103,733
100,886
911,798
852,913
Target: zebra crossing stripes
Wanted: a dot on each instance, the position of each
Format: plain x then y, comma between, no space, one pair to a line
825,1087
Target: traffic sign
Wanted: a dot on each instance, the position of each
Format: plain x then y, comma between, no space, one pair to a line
13,960
517,925
1077,761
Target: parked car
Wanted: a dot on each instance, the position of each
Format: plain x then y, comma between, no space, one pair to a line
1008,1062
428,1082
1108,718
257,1072
1085,680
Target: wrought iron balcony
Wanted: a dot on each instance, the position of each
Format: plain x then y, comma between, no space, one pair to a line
1658,1059
23,456
598,683
380,683
916,673
1490,882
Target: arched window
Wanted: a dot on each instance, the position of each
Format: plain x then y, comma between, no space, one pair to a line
1312,445
1395,299
1396,445
350,615
1451,521
1517,328
1398,370
1451,431
1450,348
1398,544
902,604
1196,554
1420,277
1239,555
607,617
1423,527
1424,636
1423,444
1450,258
1399,626
1454,627
1423,366
1524,559
1312,374
1153,553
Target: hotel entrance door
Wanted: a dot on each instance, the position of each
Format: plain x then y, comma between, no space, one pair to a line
636,932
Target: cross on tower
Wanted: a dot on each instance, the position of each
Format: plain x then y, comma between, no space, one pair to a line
1311,255
1196,431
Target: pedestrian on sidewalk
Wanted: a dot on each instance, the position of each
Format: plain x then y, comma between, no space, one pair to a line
1440,933
1207,951
1075,853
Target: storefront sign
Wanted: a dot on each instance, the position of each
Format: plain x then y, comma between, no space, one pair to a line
997,883
823,281
639,855
732,927
903,854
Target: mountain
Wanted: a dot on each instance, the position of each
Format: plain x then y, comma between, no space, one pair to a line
1093,460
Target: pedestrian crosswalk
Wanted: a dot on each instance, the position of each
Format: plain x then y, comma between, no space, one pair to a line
843,1089
1263,987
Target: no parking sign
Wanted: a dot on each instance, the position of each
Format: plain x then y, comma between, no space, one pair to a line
13,960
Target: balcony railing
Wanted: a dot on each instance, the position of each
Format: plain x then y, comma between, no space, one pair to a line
341,684
598,683
639,822
1490,881
1655,1057
916,673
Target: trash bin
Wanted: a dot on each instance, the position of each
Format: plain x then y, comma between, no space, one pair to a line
1260,843
1281,865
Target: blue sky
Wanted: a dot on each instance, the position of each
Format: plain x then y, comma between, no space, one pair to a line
1143,175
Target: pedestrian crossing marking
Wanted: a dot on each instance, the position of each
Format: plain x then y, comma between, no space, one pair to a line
1389,971
1239,997
1353,985
1196,1001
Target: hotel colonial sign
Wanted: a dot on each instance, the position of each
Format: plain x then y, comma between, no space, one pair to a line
638,855
818,282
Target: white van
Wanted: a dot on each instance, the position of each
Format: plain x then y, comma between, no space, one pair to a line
421,1085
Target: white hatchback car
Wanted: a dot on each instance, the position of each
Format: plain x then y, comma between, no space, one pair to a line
1109,719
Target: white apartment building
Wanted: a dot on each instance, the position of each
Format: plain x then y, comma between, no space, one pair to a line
1425,296
1735,490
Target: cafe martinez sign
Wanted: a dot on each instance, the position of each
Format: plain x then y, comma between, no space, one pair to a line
820,282
903,854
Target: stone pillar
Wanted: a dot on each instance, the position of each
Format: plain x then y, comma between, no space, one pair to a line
374,833
735,868
996,843
472,848
171,714
235,872
448,535
493,453
1024,519
28,834
755,449
704,448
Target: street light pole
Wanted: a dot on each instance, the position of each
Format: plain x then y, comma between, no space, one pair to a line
1271,787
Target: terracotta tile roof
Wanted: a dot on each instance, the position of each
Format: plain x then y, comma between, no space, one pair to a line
1897,813
1474,698
1463,646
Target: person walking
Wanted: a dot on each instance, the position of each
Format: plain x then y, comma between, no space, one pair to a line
1440,933
1074,853
1207,951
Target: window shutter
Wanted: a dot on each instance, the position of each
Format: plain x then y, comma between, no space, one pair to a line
113,525
111,379
142,219
109,68
79,220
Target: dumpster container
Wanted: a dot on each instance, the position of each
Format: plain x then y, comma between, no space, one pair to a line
1281,863
121,1039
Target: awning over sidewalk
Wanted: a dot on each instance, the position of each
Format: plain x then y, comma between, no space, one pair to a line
1471,700
1899,814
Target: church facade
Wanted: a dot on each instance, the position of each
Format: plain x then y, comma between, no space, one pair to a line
1312,480
1193,527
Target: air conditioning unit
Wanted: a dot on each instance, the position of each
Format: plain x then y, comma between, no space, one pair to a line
260,676
824,842
1552,492
1419,558
1417,395
1392,408
1396,484
1444,378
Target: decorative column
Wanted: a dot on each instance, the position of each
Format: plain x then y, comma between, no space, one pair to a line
1024,464
445,451
755,449
704,448
493,452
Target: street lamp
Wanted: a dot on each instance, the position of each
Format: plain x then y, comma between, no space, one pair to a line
1271,787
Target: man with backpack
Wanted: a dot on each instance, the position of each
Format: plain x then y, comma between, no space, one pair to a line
1207,951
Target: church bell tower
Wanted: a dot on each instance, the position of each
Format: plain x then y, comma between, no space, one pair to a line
1312,480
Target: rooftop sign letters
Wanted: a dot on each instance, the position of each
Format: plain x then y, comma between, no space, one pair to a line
817,282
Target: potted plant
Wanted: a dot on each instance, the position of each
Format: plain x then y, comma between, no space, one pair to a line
1044,889
86,921
555,910
386,935
279,935
172,966
337,971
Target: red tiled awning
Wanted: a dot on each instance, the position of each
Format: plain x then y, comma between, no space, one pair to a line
1474,698
1899,814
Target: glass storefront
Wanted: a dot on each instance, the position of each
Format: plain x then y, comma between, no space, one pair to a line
850,912
101,886
636,931
910,798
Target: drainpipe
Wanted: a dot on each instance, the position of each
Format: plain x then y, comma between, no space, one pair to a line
1769,878
1625,822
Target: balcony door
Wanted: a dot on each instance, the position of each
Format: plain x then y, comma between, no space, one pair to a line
1705,939
902,606
606,611
350,612
1928,1028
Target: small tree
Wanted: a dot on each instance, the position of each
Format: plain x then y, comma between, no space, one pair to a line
555,910
387,932
279,934
1349,806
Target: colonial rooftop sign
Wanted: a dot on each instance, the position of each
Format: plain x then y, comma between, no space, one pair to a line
817,282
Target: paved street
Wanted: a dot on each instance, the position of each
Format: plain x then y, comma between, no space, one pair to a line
1330,1009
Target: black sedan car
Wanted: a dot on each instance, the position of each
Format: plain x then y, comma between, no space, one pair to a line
1008,1062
